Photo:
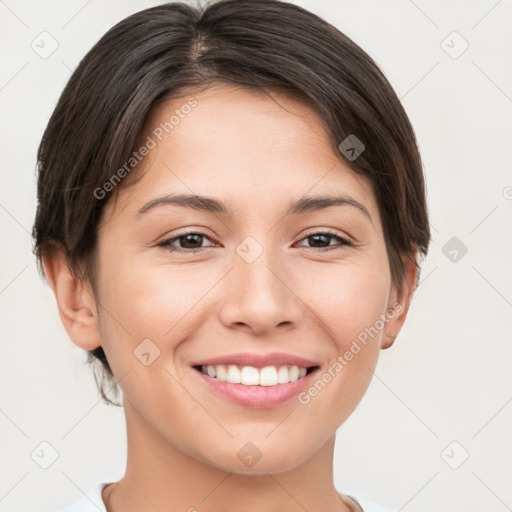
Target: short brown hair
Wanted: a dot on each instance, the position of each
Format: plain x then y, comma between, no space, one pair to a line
157,53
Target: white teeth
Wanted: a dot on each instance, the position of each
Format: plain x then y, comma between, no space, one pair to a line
222,374
268,376
234,376
251,376
283,375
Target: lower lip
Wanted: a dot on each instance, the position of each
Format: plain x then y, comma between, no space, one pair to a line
258,397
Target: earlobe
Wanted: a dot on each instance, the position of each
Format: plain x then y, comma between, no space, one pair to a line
75,301
399,304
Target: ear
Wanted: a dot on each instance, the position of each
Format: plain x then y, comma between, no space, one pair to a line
75,300
399,302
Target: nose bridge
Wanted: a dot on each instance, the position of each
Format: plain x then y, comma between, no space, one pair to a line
257,268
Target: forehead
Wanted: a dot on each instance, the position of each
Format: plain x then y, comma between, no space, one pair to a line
241,146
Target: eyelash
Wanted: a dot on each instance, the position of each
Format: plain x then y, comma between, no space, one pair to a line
167,243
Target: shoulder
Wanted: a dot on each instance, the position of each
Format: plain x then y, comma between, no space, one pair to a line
89,502
368,505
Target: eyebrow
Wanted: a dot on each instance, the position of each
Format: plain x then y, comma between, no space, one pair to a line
211,205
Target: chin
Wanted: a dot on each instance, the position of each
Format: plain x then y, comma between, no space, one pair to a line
249,460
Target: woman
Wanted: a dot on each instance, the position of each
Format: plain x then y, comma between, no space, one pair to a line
231,216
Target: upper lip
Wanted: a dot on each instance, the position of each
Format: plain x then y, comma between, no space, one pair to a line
258,360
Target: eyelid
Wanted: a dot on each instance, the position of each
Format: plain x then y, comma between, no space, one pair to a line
344,240
168,239
326,231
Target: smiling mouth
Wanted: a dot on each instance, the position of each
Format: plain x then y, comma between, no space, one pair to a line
252,376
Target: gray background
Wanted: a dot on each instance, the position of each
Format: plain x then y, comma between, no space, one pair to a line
441,394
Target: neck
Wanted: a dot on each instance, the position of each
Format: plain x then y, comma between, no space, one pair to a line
161,477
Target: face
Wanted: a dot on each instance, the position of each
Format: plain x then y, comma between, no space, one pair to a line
179,286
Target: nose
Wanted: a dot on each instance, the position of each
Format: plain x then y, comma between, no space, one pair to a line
259,296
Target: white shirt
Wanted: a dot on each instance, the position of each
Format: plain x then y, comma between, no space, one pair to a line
93,502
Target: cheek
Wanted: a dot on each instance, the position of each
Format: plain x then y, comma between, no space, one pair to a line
348,298
350,303
146,300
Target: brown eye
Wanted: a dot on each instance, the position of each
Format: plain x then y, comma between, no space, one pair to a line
190,242
321,240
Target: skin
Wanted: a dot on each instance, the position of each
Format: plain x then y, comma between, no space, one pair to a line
238,146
